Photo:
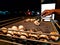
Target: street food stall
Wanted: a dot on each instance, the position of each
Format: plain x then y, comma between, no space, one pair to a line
30,30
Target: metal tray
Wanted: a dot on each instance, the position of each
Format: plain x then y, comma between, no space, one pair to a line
45,27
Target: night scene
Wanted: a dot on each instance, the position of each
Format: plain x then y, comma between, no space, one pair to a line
29,22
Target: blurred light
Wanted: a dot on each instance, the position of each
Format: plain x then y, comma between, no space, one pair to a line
4,12
38,13
33,12
29,13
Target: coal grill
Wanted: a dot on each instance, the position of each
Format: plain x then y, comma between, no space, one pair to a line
30,31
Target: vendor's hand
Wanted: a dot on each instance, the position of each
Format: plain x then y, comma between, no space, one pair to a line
47,12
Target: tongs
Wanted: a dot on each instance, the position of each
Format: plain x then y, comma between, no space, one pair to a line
40,19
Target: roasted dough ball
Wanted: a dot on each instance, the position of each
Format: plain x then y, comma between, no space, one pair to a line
9,35
32,20
4,30
23,37
14,32
21,27
14,28
54,37
22,33
18,33
27,20
54,33
33,36
10,32
36,22
43,36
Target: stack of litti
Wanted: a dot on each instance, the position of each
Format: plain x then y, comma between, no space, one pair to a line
4,30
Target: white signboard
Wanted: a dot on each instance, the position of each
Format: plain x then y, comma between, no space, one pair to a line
48,7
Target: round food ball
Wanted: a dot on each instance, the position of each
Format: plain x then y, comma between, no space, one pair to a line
18,33
14,32
36,23
43,36
32,20
54,33
22,36
54,37
9,35
22,33
21,27
14,28
10,32
4,30
27,20
21,30
33,36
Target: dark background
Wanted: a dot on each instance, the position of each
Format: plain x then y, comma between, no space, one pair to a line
48,1
57,17
19,4
16,6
